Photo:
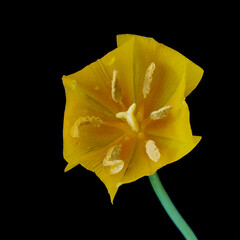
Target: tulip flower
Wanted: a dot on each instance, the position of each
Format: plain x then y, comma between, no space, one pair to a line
126,114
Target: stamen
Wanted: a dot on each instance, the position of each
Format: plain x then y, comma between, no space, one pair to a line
148,79
116,89
152,151
129,116
160,113
91,120
112,160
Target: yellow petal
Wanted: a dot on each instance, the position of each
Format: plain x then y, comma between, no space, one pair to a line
79,104
80,139
170,151
123,38
140,164
176,125
113,182
90,139
93,161
96,79
121,60
193,76
95,82
171,68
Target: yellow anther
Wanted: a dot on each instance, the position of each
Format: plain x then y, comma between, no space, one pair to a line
130,117
91,120
112,160
160,113
148,79
116,89
152,151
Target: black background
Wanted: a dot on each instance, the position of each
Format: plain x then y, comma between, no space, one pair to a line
51,41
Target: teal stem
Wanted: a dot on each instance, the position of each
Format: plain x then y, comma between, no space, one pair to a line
170,208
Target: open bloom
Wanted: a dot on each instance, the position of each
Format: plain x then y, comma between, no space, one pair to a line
126,114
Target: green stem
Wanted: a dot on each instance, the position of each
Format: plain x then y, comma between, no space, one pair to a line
170,208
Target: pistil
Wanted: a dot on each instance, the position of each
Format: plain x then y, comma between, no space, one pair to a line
130,117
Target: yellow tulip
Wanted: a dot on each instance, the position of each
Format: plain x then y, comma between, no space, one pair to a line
126,114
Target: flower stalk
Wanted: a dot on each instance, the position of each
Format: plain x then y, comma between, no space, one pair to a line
170,208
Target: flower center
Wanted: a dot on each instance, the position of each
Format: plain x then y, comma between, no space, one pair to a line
130,117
